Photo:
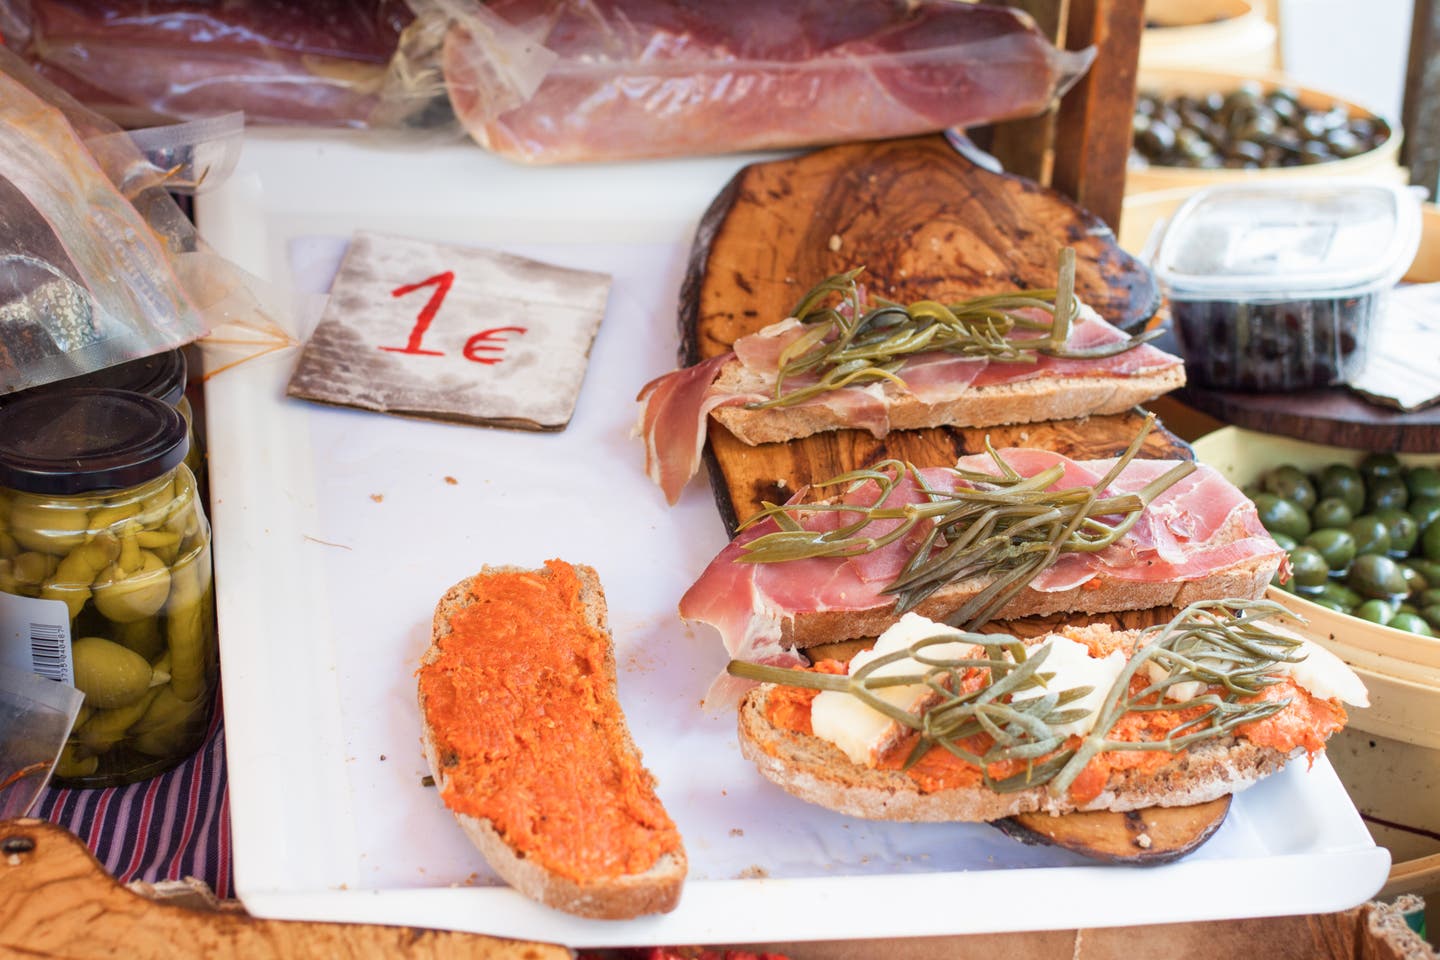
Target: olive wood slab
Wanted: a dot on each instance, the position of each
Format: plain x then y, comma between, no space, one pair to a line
57,901
1147,837
925,223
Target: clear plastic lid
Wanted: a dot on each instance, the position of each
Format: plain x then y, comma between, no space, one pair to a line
1300,238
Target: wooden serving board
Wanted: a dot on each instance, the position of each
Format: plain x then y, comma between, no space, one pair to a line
925,223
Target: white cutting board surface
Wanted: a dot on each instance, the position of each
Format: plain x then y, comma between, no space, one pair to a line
336,531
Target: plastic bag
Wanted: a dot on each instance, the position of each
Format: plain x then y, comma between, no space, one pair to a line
142,62
35,718
98,265
552,81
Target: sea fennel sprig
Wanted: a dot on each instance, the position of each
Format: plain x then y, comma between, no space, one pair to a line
1003,526
848,343
1213,644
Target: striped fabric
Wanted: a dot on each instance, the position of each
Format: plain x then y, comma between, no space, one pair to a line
169,827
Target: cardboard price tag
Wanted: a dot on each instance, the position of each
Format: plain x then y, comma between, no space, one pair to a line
453,333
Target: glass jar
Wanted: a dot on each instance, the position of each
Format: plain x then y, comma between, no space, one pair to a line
163,376
105,575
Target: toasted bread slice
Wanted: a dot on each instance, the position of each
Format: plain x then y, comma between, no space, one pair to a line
1028,401
815,770
590,838
1246,579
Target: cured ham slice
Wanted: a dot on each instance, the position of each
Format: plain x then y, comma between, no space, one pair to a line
675,407
1199,527
551,81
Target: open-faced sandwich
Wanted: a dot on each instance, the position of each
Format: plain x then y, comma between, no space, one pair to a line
525,737
846,358
940,724
1006,534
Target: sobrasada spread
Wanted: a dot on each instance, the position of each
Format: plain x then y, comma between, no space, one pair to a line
520,700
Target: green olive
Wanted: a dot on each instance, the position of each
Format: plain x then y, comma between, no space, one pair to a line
1341,594
1428,598
1279,515
45,526
1412,623
1403,530
125,597
1285,543
1422,482
1290,482
1380,465
1384,493
1430,542
1377,576
1343,482
1331,512
1327,603
1425,510
1288,586
1428,569
107,727
1432,615
1309,569
1376,611
1406,606
75,762
108,674
1371,535
1336,546
1415,581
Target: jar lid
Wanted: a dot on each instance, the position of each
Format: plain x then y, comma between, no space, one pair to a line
88,439
161,376
1300,238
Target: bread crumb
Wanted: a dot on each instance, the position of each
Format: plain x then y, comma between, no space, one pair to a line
377,497
1143,841
382,756
736,832
835,242
451,480
753,872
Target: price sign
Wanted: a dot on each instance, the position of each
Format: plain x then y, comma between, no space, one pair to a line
453,333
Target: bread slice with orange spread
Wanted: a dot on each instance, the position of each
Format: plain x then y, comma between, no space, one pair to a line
529,748
850,758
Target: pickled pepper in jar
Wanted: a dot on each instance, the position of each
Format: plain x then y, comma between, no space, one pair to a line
105,575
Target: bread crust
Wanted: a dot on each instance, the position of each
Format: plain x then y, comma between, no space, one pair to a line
656,890
815,770
1028,401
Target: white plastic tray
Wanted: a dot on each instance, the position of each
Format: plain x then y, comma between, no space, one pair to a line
336,531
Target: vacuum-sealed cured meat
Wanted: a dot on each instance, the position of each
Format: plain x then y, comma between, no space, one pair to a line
280,61
570,80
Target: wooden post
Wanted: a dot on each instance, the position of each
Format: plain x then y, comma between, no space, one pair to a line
1421,113
1026,147
1092,133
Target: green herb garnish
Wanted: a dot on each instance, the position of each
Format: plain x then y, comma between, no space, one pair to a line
846,344
1218,643
1008,527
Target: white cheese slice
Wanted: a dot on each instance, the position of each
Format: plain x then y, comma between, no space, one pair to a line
862,732
1073,667
1322,673
1327,676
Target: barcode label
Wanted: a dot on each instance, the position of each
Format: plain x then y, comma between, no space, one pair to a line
49,650
35,637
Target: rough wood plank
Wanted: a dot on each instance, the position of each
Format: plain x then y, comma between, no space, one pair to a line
57,901
1026,147
924,222
1092,134
1420,114
1331,416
